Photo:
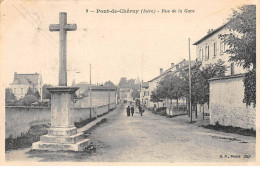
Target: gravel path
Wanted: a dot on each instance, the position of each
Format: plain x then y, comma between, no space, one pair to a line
152,138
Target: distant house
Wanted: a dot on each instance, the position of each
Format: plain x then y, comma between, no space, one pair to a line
100,95
151,85
22,82
125,93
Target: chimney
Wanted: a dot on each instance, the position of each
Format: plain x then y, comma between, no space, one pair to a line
177,66
172,64
15,75
161,71
210,30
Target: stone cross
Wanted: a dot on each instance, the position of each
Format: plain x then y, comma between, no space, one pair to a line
63,27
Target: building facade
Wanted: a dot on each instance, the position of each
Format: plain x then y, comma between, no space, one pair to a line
100,95
125,94
212,48
22,82
226,93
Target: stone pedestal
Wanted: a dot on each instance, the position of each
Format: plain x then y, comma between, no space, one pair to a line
63,134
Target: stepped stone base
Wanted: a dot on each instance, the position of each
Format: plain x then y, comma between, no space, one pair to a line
62,139
79,146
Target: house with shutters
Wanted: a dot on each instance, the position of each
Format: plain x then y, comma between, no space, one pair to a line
210,48
226,106
22,82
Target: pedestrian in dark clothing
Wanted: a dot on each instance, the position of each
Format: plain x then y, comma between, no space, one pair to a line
132,110
140,110
128,111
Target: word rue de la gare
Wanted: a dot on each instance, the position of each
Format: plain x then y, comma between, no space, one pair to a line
139,11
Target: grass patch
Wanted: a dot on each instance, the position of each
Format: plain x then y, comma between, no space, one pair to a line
27,139
231,129
84,122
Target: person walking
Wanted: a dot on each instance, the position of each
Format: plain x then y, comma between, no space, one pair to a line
132,110
140,110
128,111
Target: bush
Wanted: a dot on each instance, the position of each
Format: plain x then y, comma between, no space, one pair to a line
29,99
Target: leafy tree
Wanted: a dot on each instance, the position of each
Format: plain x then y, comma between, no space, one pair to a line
155,97
29,99
250,88
29,91
122,82
37,94
210,71
135,94
242,46
9,96
170,87
45,93
109,83
199,80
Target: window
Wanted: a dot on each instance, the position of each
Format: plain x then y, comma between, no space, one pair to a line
214,49
207,52
200,54
146,93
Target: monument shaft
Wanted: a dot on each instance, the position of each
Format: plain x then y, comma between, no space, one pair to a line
63,27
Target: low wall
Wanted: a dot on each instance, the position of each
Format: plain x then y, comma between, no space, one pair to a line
226,103
18,120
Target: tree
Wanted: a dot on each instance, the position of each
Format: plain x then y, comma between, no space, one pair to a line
29,99
155,97
122,82
9,96
135,94
29,91
210,71
109,83
199,81
37,94
242,46
170,87
45,93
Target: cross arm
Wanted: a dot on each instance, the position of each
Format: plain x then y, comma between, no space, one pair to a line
70,27
54,27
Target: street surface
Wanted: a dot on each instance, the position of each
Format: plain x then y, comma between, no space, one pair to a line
151,138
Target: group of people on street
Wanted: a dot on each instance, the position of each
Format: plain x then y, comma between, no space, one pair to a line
132,110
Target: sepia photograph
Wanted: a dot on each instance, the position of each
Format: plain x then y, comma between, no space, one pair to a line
129,82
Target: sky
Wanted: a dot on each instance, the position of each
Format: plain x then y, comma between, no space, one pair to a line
116,45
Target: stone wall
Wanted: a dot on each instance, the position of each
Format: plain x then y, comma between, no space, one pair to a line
226,103
20,119
98,98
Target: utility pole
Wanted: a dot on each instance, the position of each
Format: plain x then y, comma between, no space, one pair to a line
190,85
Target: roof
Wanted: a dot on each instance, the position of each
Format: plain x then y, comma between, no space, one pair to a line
86,86
227,77
184,62
31,79
210,34
102,88
145,84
